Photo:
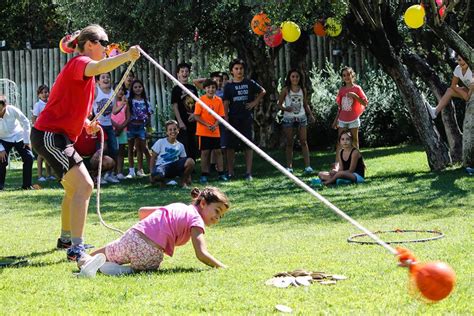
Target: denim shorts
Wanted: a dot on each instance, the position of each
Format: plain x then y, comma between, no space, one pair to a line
359,178
136,131
353,124
294,122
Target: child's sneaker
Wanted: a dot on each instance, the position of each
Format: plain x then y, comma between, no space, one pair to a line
470,171
91,265
203,179
41,179
51,178
103,181
75,252
343,181
67,244
112,268
222,177
308,170
248,177
290,170
131,174
110,178
316,182
140,173
172,183
120,176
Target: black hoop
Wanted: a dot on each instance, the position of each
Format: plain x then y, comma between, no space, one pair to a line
437,234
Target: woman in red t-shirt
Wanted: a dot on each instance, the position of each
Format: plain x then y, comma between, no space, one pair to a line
61,122
351,102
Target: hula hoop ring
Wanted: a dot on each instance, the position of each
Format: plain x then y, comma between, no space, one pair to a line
438,235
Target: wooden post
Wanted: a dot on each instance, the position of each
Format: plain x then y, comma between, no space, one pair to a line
51,61
5,64
17,70
30,95
25,108
287,58
320,43
45,66
312,45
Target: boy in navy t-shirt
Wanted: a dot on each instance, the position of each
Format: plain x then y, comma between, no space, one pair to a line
241,97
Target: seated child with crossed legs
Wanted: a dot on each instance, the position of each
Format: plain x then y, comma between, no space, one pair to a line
161,229
168,158
349,167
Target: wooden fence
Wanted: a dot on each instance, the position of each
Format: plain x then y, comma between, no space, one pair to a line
31,68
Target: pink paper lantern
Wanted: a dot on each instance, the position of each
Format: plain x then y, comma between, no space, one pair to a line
273,36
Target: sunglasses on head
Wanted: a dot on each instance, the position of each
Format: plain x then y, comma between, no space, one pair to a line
103,43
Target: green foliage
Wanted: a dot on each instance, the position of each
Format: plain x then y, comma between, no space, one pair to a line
272,226
385,121
36,22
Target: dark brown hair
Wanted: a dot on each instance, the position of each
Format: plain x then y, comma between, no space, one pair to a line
210,195
89,33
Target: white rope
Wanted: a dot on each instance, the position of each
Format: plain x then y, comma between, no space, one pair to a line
303,185
99,170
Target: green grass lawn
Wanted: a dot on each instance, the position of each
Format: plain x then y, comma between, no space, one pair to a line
273,226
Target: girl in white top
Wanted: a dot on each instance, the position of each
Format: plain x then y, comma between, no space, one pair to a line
43,94
296,113
463,73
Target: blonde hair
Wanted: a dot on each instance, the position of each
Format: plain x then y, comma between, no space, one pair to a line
210,195
89,33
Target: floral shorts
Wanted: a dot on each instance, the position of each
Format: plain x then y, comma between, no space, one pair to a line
132,248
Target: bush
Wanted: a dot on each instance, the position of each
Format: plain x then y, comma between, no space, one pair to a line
385,122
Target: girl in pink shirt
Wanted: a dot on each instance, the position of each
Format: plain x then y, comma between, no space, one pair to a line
351,101
161,229
119,121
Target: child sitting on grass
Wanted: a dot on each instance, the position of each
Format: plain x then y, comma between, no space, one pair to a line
161,229
168,158
349,167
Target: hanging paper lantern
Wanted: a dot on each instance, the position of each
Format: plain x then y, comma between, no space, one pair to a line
291,31
414,16
273,36
333,27
318,29
260,23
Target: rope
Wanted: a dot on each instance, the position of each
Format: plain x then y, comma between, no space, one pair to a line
264,155
437,235
99,170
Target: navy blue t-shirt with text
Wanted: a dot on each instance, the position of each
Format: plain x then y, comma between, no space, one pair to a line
239,94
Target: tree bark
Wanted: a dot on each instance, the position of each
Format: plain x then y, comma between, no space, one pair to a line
468,135
453,133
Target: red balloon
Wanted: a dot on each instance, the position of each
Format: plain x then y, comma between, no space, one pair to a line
435,280
259,23
442,11
273,36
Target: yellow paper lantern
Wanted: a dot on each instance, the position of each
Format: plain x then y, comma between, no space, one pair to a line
291,31
414,16
333,27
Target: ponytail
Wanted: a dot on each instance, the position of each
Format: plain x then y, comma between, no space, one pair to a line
78,39
210,195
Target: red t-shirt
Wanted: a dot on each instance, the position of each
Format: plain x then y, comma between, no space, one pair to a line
217,106
350,109
86,145
70,101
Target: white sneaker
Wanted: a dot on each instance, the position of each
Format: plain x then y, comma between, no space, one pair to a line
112,268
52,178
172,182
431,111
120,176
130,175
111,178
140,173
41,179
90,267
290,170
103,181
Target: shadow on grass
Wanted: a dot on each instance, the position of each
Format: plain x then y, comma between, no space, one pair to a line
22,261
272,198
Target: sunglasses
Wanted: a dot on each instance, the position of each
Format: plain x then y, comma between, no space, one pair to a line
103,43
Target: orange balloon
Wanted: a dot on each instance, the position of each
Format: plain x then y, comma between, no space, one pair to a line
260,23
318,29
435,280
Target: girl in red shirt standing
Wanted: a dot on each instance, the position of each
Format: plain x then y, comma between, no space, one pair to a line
351,102
61,122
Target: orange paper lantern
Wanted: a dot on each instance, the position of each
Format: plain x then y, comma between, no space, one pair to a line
260,23
318,29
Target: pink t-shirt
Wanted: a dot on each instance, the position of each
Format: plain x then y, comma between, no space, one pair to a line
350,109
170,225
120,117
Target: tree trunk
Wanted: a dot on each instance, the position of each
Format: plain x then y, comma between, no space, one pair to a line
468,135
453,133
372,24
